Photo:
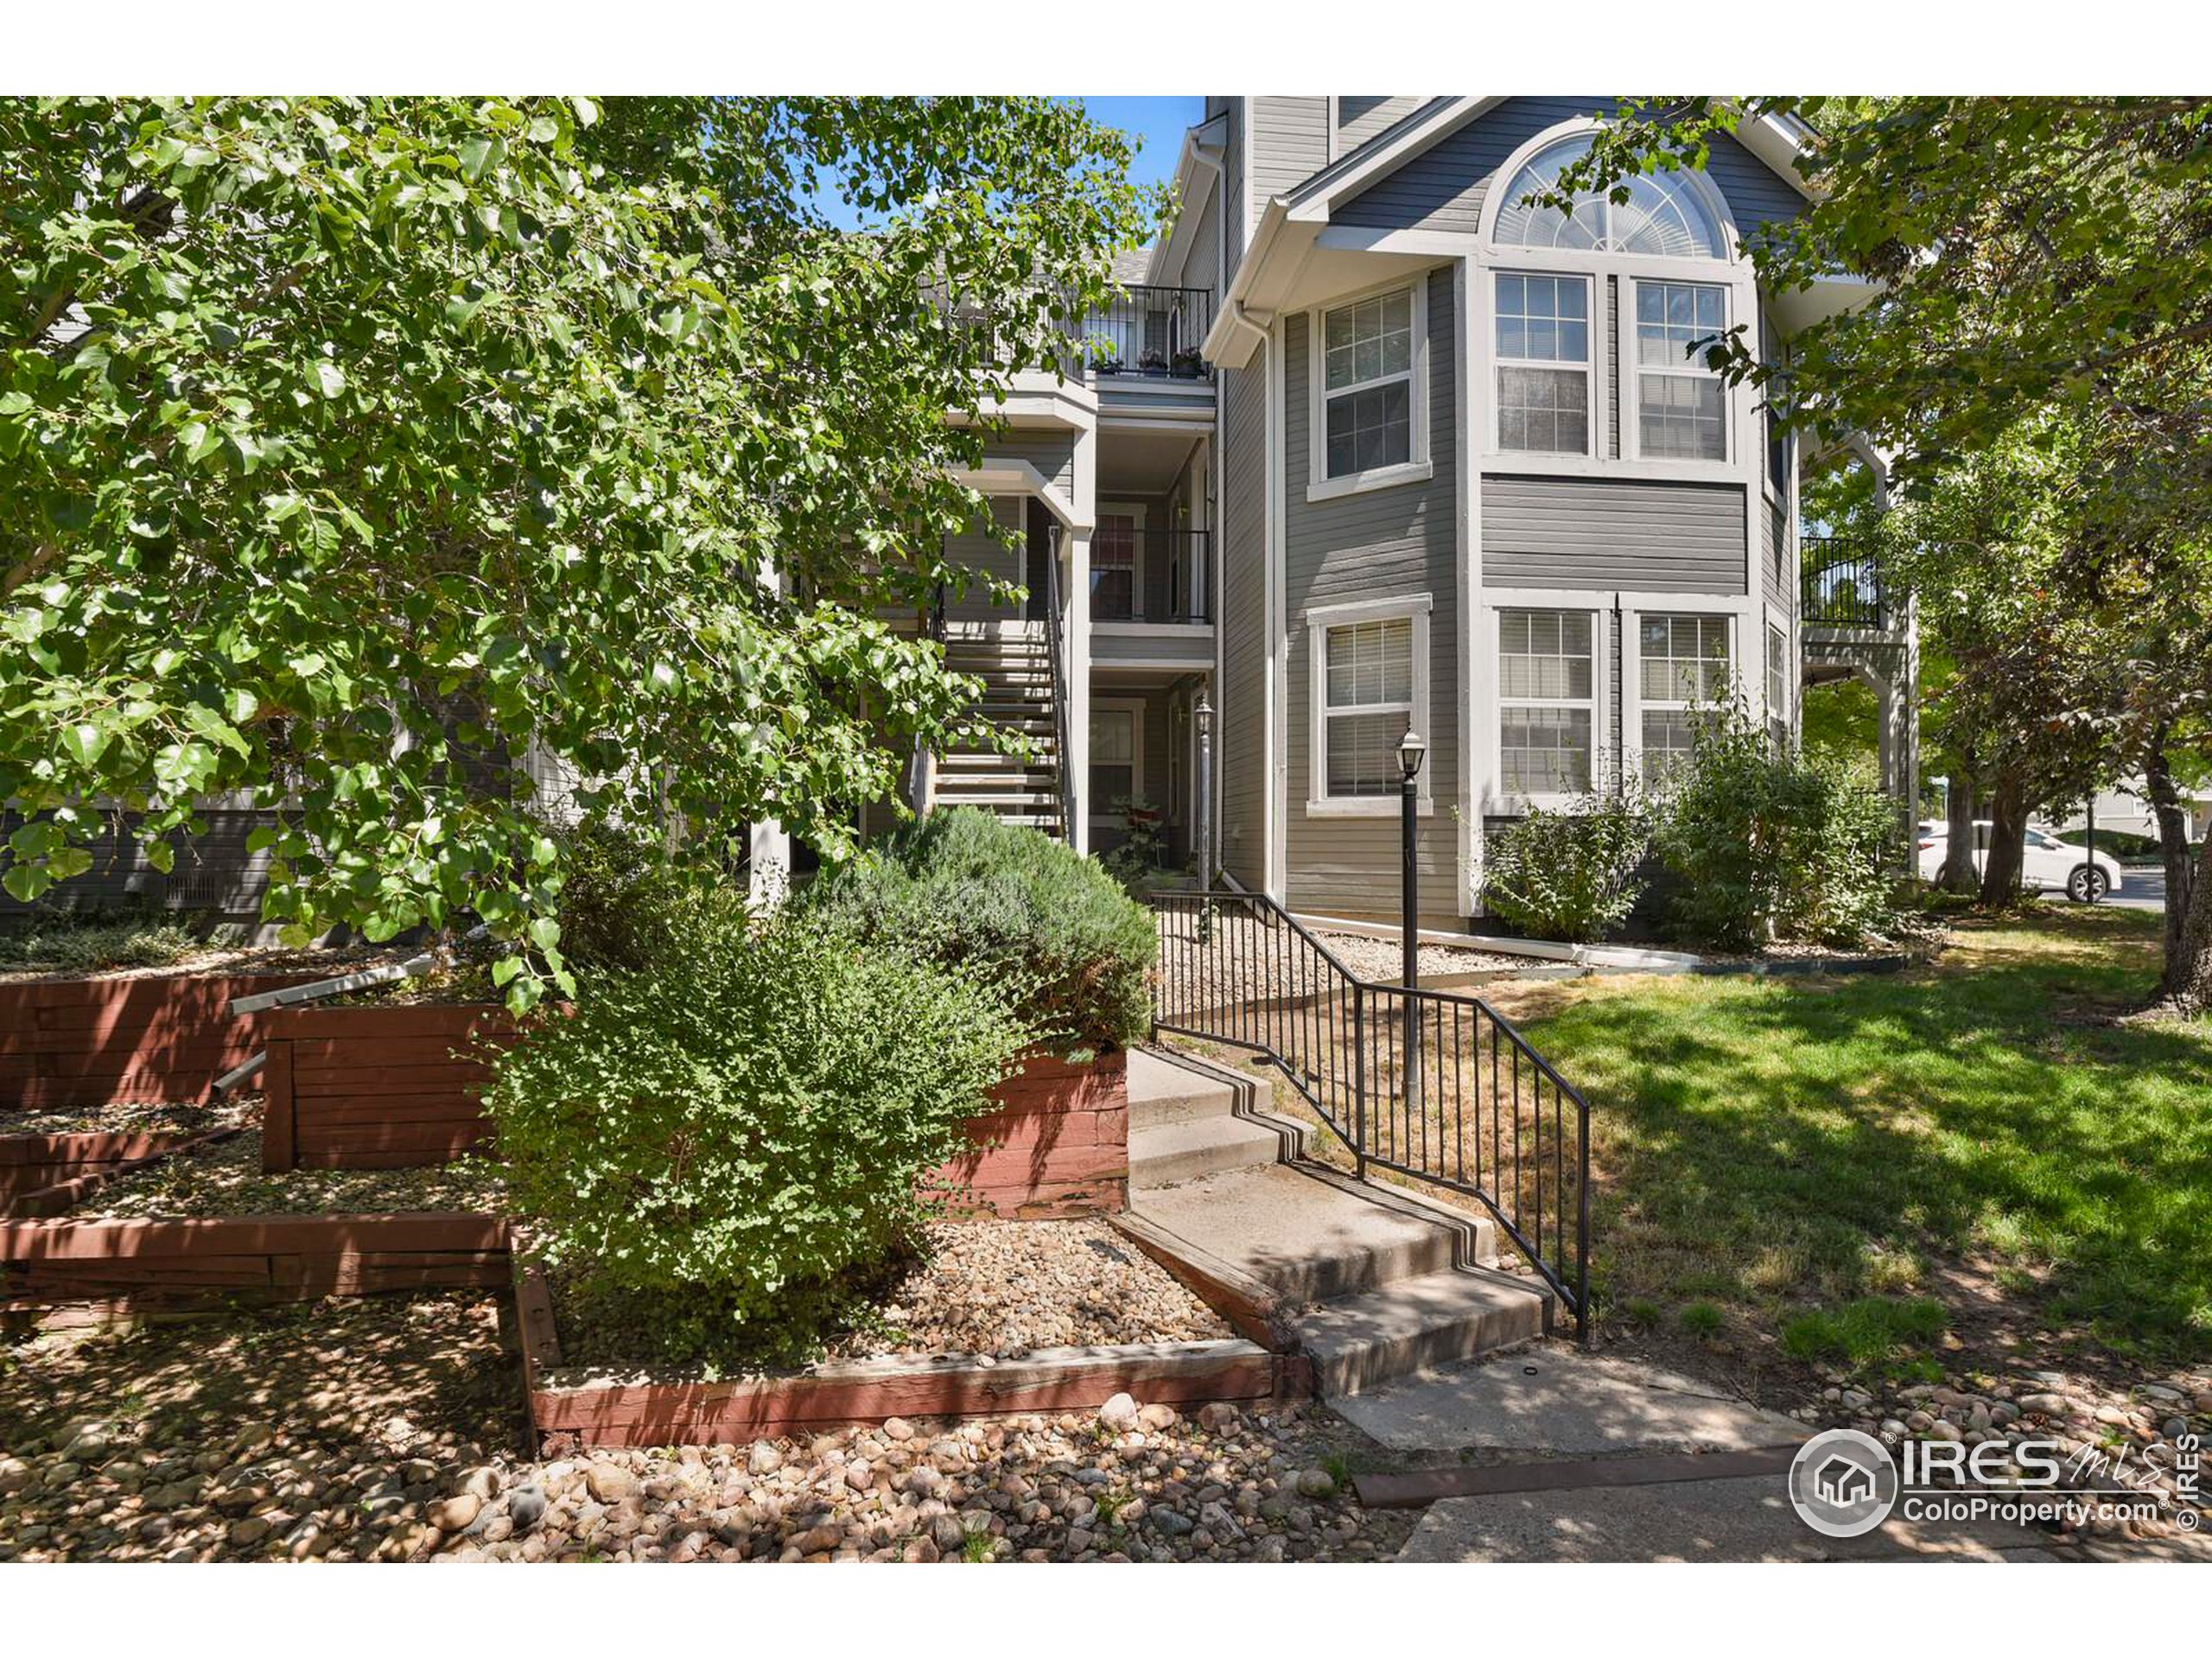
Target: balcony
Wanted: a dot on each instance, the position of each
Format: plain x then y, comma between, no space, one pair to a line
1150,334
1841,586
1147,576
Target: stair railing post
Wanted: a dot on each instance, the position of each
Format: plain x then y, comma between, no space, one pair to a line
1359,1079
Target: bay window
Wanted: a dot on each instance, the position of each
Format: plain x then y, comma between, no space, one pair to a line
1681,405
1543,338
1546,693
1683,662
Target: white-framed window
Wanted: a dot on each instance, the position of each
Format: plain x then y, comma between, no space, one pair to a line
1683,660
1117,774
1370,670
1681,405
1540,333
1665,215
1777,687
1547,702
1368,376
1117,565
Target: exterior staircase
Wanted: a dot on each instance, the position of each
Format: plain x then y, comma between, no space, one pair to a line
1014,663
1371,1283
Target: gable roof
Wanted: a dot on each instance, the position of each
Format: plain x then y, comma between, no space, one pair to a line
1774,142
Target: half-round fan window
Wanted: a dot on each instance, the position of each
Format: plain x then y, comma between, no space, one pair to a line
1663,214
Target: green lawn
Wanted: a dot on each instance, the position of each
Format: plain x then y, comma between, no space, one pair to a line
1766,1147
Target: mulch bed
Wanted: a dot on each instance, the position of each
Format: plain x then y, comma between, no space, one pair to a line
125,1118
237,959
992,1288
227,1180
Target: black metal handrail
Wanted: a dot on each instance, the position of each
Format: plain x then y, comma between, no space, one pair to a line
1056,654
1436,1085
1841,585
1153,331
1169,577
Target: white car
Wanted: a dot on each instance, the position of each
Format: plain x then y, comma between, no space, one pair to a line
2049,865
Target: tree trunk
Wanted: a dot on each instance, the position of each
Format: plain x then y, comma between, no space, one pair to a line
2174,853
2008,845
2189,972
1957,874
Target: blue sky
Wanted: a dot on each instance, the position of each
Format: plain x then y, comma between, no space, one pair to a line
1159,123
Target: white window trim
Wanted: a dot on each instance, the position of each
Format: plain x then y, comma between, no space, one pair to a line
1319,486
1135,510
1593,342
1776,622
1101,813
1633,371
1592,605
1319,803
1633,701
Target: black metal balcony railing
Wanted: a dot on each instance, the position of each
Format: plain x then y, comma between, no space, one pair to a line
1841,585
1149,576
1155,333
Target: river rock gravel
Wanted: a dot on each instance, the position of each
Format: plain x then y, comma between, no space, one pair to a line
227,1180
989,1287
390,1429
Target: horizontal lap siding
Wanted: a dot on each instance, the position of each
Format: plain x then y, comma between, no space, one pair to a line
1774,541
1359,119
1053,454
212,874
977,550
1444,187
1371,545
1612,533
1290,143
1242,738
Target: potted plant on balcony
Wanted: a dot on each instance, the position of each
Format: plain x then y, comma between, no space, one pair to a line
1152,360
1189,363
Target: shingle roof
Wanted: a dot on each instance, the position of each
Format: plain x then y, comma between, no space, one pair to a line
1131,265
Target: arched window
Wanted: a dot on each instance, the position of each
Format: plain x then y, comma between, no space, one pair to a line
1665,215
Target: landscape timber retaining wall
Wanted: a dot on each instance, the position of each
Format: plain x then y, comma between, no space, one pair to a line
376,1087
1055,1143
128,1040
108,1268
45,1174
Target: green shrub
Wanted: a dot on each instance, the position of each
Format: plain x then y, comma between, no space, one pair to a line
1772,846
65,942
716,1144
1570,874
968,889
622,903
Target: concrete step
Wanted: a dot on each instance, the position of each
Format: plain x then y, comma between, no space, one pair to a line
1188,1149
1306,1237
1163,1092
1411,1324
996,800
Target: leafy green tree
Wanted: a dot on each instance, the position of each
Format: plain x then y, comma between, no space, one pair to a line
357,448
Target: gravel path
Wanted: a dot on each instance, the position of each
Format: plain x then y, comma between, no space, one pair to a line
227,1180
995,1287
386,1429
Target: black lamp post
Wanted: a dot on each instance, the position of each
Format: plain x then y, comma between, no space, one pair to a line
1202,717
1413,749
